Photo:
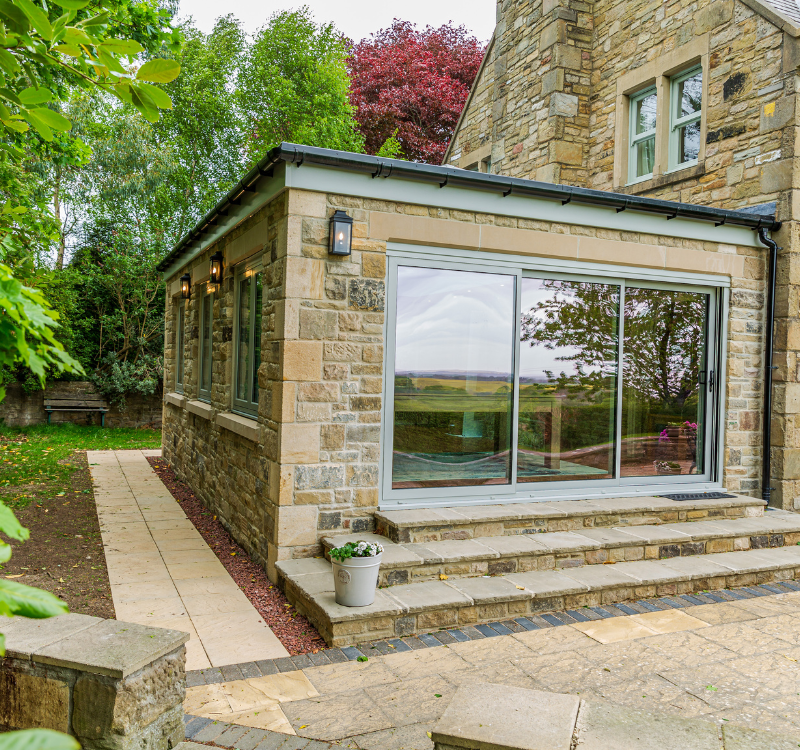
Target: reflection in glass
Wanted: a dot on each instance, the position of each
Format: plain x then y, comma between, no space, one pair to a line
568,380
645,157
243,348
257,333
689,142
663,404
646,113
205,360
454,378
690,95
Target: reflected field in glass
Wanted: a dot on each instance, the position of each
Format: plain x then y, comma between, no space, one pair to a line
568,380
663,401
454,378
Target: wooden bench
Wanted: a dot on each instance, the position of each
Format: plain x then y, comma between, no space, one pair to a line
74,397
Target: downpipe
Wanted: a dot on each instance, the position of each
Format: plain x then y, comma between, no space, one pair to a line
766,468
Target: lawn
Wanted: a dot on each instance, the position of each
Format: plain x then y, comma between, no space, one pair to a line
37,461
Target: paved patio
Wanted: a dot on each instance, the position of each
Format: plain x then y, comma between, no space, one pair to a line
730,663
163,573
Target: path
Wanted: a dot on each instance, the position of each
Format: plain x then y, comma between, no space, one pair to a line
734,662
163,573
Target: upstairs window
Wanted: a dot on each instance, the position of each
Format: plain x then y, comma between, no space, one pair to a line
249,301
179,326
206,331
686,97
642,158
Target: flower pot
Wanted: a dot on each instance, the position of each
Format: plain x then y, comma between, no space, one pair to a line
355,580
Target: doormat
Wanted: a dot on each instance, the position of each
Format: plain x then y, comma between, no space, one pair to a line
697,496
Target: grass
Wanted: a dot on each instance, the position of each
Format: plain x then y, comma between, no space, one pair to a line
35,461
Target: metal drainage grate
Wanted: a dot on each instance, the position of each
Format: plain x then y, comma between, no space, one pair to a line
697,496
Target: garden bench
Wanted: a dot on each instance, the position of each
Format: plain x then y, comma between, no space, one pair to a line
61,398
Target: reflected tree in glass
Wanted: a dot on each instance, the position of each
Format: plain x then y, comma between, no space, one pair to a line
568,380
454,378
663,402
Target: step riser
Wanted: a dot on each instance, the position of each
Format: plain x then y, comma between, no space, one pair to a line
457,530
609,554
393,626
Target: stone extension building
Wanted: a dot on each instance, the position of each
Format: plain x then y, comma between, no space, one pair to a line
556,100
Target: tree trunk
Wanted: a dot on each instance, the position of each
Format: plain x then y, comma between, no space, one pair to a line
57,212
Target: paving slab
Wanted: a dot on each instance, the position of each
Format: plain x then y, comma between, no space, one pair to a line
493,717
544,583
419,597
602,726
163,573
490,590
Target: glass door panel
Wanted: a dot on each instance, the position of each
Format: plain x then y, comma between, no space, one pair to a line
664,382
568,380
243,352
454,378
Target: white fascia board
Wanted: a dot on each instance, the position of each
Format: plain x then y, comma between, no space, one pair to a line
265,190
342,182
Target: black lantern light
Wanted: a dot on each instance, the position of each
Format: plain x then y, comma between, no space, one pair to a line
216,267
341,234
186,286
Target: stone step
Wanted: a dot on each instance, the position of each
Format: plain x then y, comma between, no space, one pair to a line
424,525
557,550
429,605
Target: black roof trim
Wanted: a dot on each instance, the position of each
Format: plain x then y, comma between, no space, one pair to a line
292,153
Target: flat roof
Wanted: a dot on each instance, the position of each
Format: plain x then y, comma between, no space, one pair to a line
291,153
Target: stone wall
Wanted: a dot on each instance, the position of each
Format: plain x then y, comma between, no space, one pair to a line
20,409
549,104
308,465
112,685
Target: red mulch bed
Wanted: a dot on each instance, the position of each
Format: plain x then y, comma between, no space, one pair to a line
296,633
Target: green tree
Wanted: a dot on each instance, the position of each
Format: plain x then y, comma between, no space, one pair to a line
293,86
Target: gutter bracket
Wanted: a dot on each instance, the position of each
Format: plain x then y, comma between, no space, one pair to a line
568,200
508,192
624,208
674,216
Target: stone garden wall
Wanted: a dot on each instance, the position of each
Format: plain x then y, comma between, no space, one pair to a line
308,466
20,409
112,685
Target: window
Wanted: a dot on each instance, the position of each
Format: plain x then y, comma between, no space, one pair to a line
249,301
686,104
484,165
179,330
206,345
641,161
509,381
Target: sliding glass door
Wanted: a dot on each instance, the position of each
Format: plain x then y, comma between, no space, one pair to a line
512,383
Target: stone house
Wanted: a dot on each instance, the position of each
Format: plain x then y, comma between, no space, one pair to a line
467,366
693,102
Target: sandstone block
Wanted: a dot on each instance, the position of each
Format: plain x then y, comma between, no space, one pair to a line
302,360
367,294
299,443
777,114
563,105
317,324
373,265
304,278
297,525
566,152
320,477
553,80
28,700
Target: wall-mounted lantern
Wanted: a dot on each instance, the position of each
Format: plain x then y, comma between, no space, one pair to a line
186,286
341,234
216,268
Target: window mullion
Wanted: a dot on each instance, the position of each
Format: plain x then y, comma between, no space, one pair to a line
620,356
515,392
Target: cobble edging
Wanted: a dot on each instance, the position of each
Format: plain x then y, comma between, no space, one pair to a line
445,637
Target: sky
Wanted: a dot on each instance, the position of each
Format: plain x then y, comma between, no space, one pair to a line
356,18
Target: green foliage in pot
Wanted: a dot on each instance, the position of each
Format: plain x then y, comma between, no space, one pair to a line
356,549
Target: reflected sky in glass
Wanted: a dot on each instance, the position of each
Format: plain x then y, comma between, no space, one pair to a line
438,311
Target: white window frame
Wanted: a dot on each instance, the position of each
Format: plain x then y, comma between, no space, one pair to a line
635,138
206,300
180,345
246,407
676,122
716,350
